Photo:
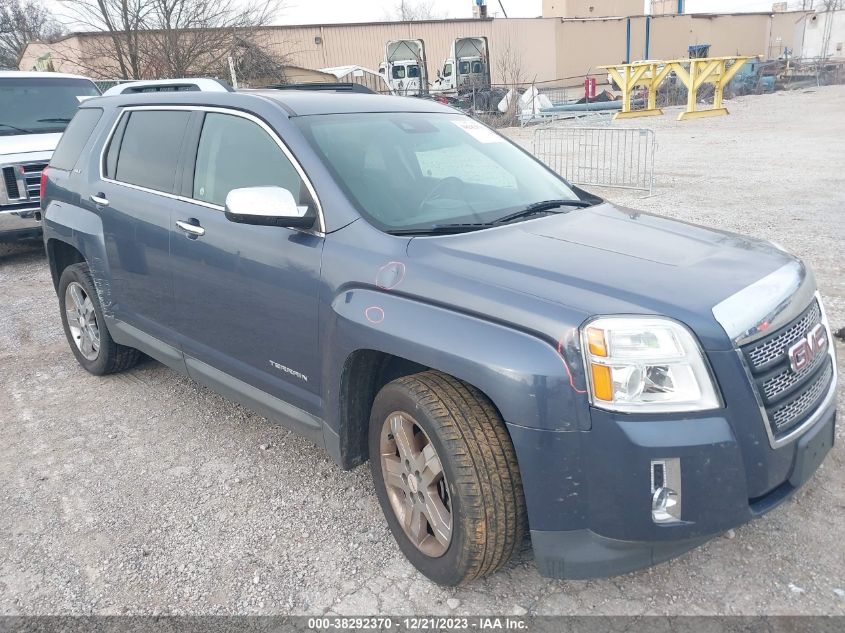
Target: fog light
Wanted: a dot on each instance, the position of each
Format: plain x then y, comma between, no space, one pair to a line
666,490
664,504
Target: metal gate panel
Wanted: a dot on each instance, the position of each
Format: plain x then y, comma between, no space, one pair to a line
599,156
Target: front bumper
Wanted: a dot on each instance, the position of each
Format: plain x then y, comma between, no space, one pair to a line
589,493
19,222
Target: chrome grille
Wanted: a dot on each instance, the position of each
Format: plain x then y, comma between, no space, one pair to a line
32,179
789,397
782,382
783,417
11,183
22,184
773,348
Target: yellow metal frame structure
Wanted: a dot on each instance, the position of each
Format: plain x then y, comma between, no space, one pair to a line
693,73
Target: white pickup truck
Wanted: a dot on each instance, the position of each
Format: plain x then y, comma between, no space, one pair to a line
35,109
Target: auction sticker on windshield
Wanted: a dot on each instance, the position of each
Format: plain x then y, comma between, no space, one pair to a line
478,131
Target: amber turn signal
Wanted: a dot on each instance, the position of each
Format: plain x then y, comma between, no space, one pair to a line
602,382
596,340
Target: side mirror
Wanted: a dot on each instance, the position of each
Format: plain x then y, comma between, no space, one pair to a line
267,206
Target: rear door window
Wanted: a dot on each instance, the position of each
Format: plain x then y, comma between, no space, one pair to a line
235,152
149,148
75,137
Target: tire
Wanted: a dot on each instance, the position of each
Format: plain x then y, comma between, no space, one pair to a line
106,356
479,485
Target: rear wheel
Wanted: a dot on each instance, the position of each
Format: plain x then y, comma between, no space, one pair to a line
85,327
446,476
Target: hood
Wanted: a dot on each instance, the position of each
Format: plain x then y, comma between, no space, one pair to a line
28,143
610,260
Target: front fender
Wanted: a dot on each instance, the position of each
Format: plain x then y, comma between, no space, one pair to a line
525,377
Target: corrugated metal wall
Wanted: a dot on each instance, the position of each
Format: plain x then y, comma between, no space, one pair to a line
545,49
364,44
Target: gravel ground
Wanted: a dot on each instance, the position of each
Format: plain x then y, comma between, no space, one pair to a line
144,493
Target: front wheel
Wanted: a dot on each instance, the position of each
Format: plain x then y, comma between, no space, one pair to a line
85,327
446,477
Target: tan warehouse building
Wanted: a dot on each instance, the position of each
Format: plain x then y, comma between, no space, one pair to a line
554,50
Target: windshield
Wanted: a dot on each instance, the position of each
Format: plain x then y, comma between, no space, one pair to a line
424,170
39,105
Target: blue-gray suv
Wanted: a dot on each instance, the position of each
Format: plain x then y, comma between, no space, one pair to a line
403,285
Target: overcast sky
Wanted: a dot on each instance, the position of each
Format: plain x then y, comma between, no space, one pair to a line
327,11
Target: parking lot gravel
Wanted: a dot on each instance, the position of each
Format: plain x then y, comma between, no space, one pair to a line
145,493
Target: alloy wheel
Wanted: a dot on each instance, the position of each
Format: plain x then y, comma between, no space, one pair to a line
416,485
82,321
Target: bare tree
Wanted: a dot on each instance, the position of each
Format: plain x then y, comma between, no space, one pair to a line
21,22
509,64
827,7
511,70
412,11
174,38
119,55
197,36
256,64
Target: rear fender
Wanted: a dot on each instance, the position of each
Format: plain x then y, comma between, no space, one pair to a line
83,230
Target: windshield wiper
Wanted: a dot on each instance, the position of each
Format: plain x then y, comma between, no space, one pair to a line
15,127
443,229
56,120
542,207
531,209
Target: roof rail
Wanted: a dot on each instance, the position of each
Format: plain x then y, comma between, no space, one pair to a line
169,85
332,87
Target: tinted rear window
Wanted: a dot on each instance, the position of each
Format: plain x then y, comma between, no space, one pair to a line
76,135
149,150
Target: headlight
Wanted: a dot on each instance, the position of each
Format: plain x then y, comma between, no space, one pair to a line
646,364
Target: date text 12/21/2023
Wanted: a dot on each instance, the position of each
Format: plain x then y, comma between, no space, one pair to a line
418,623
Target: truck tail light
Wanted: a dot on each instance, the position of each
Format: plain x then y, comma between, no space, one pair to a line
43,183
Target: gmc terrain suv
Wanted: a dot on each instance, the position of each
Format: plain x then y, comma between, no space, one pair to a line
35,108
400,284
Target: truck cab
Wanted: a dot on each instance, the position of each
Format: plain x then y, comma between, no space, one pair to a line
468,67
471,72
403,76
404,67
35,109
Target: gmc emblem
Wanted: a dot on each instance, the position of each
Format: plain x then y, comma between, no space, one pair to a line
805,350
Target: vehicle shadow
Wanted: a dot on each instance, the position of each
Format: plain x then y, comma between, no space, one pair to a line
21,252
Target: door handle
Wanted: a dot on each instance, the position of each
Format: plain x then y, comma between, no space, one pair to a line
191,229
100,200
